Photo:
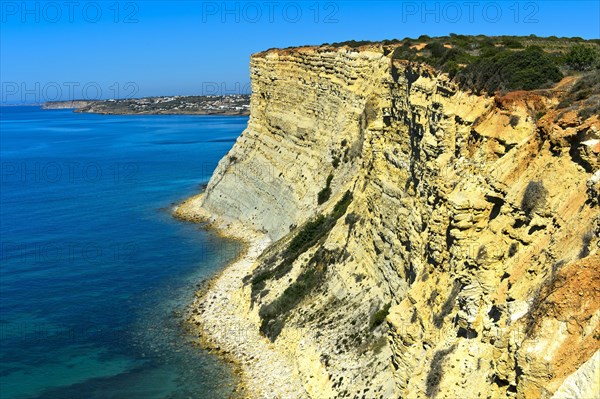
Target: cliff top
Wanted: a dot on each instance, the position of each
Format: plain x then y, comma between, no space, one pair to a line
483,63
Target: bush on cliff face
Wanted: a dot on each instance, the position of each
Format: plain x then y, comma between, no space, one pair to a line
586,241
315,229
379,316
312,231
513,249
533,197
436,371
273,315
325,193
438,319
307,237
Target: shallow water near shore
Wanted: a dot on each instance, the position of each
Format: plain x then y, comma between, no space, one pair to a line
95,272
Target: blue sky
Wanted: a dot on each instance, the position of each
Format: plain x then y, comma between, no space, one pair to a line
87,49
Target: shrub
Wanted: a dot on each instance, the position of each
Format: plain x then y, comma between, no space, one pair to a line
308,236
582,58
290,298
310,233
489,64
311,277
587,88
436,372
512,250
335,162
533,197
437,49
522,70
315,229
539,305
432,297
352,43
379,344
510,42
259,278
438,319
414,317
342,205
351,219
379,317
325,193
273,315
585,245
514,120
404,53
588,112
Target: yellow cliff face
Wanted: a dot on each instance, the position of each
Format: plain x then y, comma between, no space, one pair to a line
456,254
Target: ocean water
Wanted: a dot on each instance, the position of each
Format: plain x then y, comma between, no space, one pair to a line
94,271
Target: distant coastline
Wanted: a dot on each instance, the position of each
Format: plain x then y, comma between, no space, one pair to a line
235,104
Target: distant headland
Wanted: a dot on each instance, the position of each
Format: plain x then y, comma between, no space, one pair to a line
235,104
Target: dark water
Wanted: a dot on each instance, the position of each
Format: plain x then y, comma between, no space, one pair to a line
94,270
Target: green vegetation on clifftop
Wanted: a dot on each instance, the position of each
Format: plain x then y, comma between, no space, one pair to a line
496,63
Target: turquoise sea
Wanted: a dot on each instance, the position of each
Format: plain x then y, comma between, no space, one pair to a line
94,271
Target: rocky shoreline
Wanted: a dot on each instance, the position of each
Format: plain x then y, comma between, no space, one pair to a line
219,316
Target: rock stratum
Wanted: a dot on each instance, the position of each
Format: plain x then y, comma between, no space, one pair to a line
416,240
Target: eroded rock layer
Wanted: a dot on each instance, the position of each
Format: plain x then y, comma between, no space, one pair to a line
427,242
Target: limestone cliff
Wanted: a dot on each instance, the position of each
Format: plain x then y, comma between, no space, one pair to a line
427,242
